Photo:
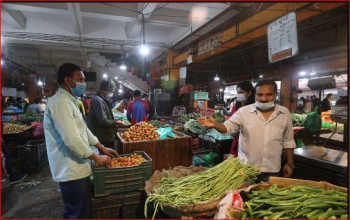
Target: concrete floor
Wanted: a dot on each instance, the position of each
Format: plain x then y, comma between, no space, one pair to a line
37,196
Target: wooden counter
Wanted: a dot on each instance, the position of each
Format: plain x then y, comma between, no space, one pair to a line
165,153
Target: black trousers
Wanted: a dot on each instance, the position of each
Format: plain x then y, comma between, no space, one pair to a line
76,196
7,158
264,177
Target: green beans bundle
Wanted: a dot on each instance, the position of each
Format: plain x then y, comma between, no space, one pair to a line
309,202
203,186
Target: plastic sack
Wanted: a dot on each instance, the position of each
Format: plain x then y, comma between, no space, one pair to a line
327,125
211,158
38,130
313,121
165,132
218,136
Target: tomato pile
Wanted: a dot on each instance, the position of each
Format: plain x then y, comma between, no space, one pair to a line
133,160
140,132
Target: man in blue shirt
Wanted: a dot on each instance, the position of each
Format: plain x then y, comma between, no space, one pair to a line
137,109
68,142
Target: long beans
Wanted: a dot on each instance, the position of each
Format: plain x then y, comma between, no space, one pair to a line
203,186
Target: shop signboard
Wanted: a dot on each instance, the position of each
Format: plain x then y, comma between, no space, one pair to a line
282,38
183,74
7,91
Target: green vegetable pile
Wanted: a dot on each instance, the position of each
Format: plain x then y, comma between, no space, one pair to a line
203,186
184,118
218,117
309,202
157,123
298,119
32,116
193,126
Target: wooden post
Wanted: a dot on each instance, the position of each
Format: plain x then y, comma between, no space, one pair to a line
289,98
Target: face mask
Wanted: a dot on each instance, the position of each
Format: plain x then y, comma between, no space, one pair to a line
265,106
79,89
241,98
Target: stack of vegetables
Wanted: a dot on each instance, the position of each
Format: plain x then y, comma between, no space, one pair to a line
185,118
298,119
10,128
32,116
140,132
309,202
218,117
193,126
157,123
203,186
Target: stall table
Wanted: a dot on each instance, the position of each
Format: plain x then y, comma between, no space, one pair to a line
321,164
166,153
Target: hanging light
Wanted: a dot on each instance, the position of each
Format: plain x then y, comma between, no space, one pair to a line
40,83
302,73
216,78
119,81
116,77
120,90
2,62
221,90
105,75
261,76
312,73
123,67
144,49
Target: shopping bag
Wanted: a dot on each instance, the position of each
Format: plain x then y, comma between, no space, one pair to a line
165,132
313,121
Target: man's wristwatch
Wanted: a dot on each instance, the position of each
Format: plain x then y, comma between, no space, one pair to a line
290,165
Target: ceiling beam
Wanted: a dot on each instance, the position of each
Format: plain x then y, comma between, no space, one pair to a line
75,12
21,7
16,17
133,29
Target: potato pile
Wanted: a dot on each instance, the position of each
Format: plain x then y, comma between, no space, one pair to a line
140,132
10,128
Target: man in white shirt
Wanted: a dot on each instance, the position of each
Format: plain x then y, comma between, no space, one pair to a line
265,130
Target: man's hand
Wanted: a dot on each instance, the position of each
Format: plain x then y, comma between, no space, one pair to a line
109,152
208,122
120,124
287,171
101,159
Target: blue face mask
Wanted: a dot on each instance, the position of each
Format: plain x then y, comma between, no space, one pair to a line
79,89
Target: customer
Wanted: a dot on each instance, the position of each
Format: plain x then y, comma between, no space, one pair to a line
68,142
151,110
326,103
265,130
34,107
41,105
101,120
137,109
245,96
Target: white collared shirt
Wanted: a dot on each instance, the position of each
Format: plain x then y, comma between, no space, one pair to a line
261,141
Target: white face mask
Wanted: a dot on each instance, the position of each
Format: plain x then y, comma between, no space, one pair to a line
265,106
241,98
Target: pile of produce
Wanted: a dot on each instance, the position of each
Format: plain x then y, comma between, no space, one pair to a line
133,160
157,123
306,202
140,132
204,186
218,117
298,119
184,118
193,126
10,128
32,116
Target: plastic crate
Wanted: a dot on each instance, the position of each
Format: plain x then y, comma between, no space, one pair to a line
106,207
34,165
132,205
220,147
34,149
18,138
121,179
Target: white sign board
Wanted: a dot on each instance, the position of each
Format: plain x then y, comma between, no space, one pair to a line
6,91
282,38
183,74
165,77
189,59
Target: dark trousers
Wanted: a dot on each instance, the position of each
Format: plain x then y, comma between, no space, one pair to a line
6,153
264,177
76,196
